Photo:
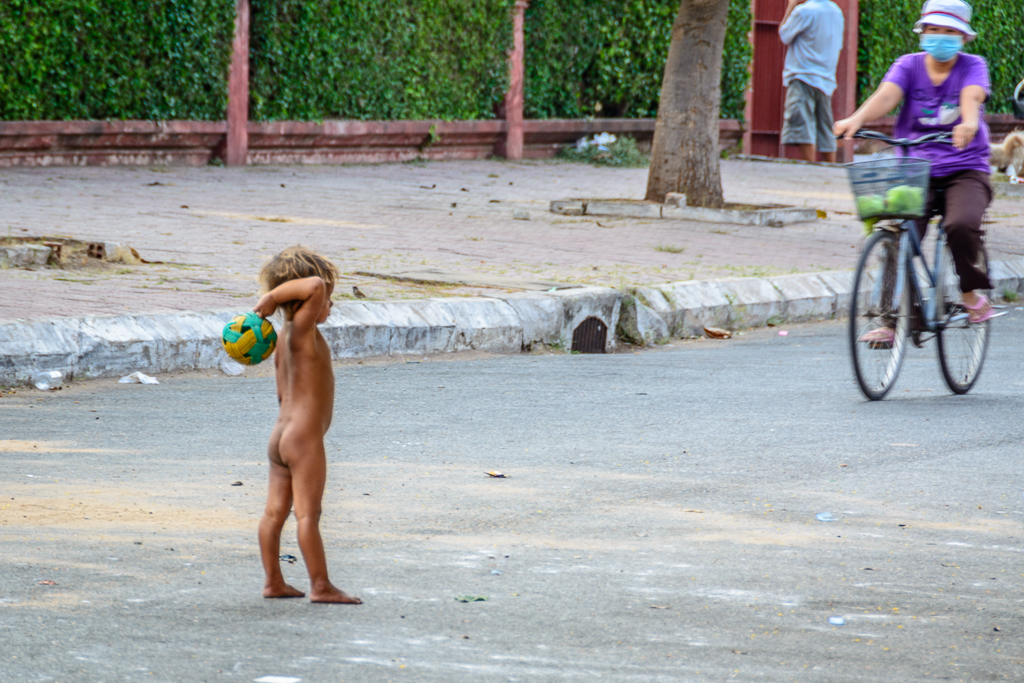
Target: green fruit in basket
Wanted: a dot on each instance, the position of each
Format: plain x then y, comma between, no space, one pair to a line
870,205
905,200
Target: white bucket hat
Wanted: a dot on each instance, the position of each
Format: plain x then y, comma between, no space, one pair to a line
952,13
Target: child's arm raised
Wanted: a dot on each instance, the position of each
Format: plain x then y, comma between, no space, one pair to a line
310,293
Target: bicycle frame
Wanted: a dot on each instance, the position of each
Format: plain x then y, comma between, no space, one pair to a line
911,248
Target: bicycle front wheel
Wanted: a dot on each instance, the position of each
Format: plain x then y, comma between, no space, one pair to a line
962,344
879,315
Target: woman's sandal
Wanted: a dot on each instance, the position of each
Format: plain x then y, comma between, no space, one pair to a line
981,312
879,338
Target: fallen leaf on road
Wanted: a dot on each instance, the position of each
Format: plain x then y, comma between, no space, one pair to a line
738,652
54,583
471,598
496,475
237,483
717,333
700,512
659,606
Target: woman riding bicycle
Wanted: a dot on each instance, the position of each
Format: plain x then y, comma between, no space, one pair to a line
944,91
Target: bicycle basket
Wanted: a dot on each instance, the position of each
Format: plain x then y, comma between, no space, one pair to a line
889,188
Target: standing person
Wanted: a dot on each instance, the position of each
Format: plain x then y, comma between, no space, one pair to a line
813,30
299,282
943,90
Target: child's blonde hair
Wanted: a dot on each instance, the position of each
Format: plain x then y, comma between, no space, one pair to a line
296,263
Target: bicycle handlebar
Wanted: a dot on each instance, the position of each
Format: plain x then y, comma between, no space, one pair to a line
946,138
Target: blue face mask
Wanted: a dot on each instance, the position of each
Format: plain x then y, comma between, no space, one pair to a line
942,47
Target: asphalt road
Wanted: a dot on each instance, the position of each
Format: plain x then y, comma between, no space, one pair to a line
658,522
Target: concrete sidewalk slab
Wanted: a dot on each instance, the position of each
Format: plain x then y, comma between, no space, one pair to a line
213,228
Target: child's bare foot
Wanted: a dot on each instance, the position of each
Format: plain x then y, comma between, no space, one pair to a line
282,591
333,595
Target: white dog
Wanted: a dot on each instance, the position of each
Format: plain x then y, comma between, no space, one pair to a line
1010,152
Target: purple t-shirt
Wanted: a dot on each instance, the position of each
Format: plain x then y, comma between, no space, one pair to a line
928,108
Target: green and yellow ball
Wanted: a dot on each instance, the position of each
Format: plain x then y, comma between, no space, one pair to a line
249,339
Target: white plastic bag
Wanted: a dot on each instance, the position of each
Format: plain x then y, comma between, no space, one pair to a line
138,378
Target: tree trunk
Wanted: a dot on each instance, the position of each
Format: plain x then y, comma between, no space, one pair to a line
684,155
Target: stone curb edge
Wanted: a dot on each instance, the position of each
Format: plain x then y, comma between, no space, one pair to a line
102,346
775,217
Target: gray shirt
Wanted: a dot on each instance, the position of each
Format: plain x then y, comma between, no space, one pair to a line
814,34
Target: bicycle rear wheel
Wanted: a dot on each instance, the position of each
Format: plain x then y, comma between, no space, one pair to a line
879,315
962,344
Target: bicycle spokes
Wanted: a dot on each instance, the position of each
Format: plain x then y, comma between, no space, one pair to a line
879,315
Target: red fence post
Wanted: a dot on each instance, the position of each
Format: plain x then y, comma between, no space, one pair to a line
237,143
844,101
764,109
512,146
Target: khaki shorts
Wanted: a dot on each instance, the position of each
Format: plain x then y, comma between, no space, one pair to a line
808,119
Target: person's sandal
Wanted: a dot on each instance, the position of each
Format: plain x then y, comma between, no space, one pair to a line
879,338
980,313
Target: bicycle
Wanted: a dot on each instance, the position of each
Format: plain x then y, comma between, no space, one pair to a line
896,294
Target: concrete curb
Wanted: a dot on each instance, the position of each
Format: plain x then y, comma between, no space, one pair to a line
24,256
117,345
507,323
1008,191
774,217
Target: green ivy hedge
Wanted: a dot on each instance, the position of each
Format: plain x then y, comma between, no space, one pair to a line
886,33
114,59
607,57
378,59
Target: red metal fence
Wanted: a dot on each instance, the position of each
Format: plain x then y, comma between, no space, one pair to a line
239,141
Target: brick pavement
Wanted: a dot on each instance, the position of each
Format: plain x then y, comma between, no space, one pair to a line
213,227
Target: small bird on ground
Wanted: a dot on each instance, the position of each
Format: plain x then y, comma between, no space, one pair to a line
357,293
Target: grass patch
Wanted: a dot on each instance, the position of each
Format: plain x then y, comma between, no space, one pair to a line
1010,296
670,248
